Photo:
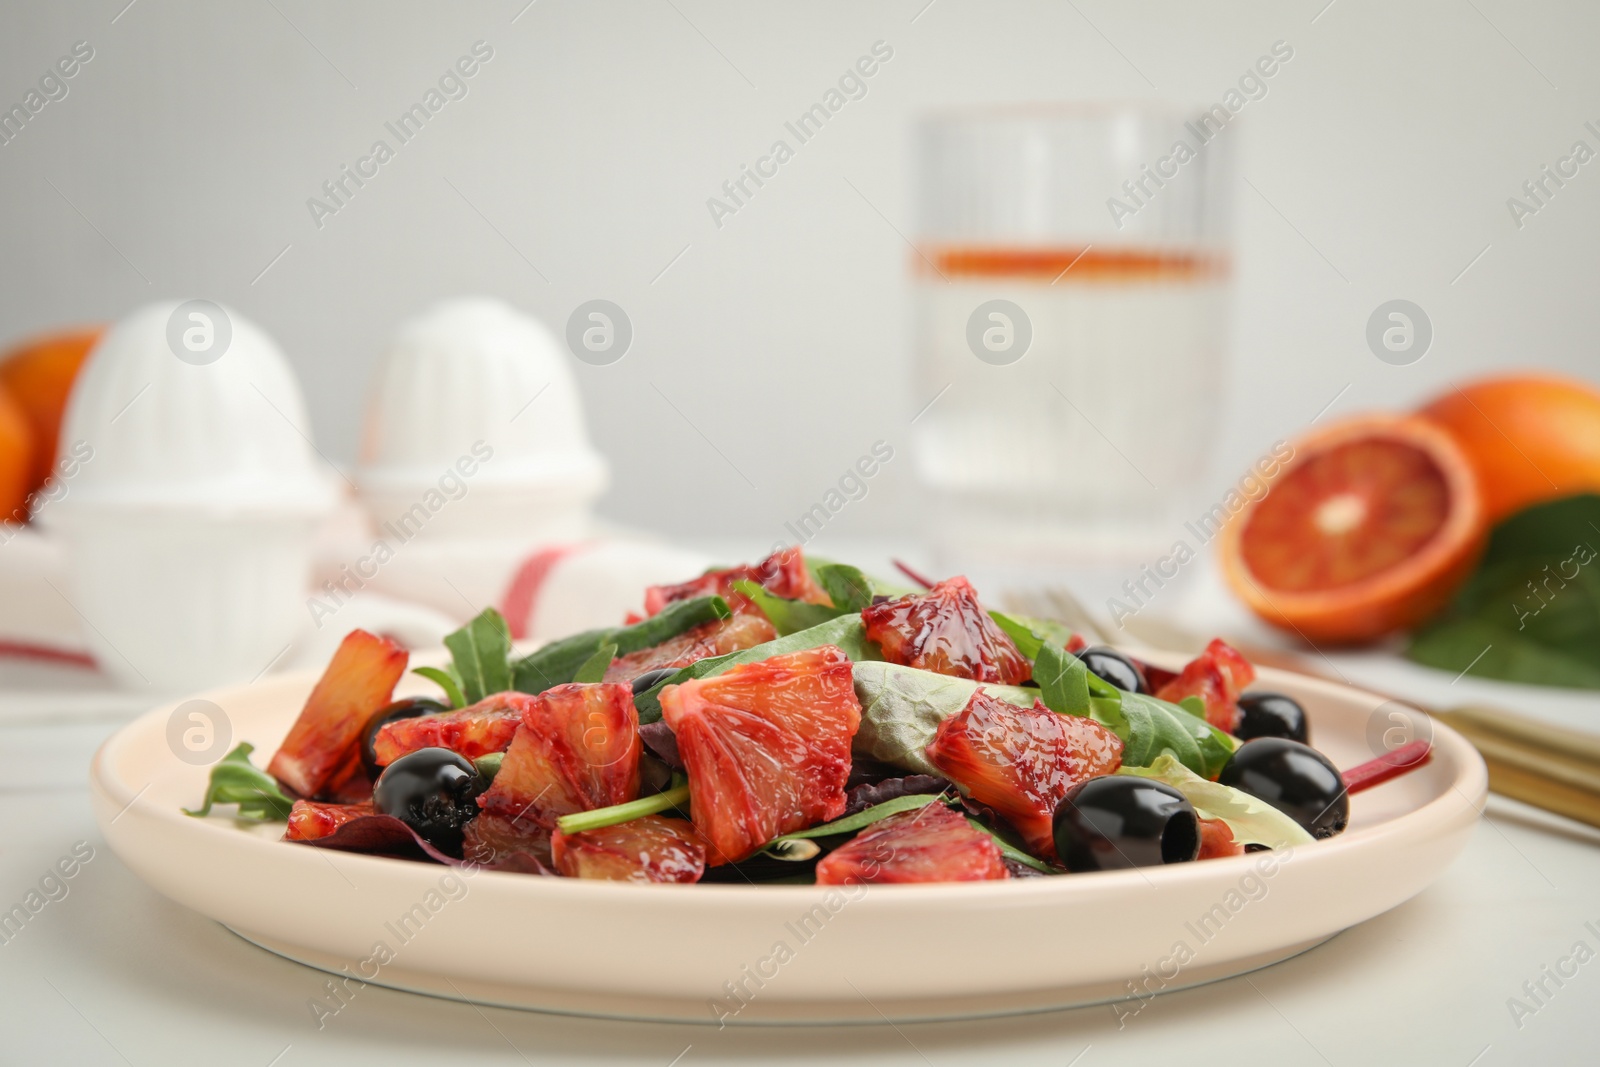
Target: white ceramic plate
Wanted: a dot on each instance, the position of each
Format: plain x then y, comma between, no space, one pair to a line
779,954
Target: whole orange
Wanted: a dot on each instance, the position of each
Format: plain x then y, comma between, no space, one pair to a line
1529,438
39,374
16,458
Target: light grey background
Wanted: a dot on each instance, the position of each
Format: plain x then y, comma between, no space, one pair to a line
1378,167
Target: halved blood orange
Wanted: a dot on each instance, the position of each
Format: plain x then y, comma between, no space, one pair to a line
1368,529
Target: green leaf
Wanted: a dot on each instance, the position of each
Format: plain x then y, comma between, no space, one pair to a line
1150,728
482,653
446,680
1029,634
594,668
864,818
1252,820
846,631
1012,852
488,765
876,586
235,780
559,661
850,590
1194,706
1531,612
902,707
1063,680
786,616
1033,636
672,620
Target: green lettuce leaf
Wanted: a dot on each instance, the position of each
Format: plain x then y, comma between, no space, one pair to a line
1253,821
902,707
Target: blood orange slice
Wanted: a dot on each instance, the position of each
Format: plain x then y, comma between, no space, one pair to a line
1216,840
946,631
577,749
499,842
766,746
472,731
1022,761
1368,529
311,819
930,844
359,680
1216,676
651,849
702,642
784,573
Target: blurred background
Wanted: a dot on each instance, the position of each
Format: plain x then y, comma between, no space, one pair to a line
578,166
778,332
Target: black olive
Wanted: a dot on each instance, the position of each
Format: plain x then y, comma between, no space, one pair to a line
432,790
1271,715
413,708
1119,821
1112,666
1294,778
650,679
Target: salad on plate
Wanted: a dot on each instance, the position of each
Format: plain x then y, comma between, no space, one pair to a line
797,721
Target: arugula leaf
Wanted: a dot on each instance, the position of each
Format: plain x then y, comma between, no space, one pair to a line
786,616
559,662
850,590
446,679
1194,706
1063,680
482,653
846,631
1253,821
235,780
594,668
861,819
1531,612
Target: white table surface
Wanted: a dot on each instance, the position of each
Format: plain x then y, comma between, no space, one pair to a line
114,973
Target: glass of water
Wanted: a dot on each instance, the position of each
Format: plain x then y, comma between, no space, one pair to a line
1071,314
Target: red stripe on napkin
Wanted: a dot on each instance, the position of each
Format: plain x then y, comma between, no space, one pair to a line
523,593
